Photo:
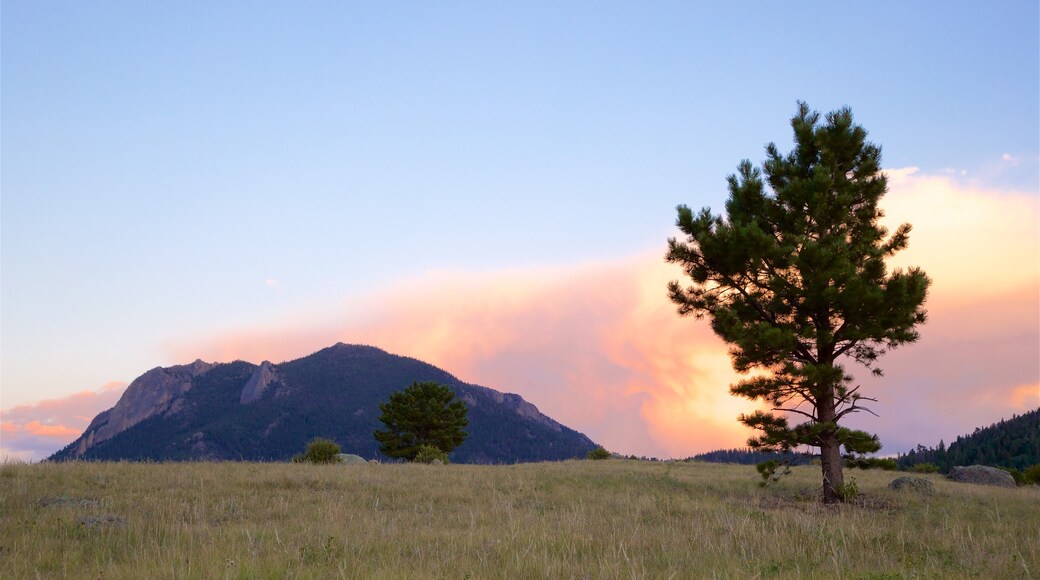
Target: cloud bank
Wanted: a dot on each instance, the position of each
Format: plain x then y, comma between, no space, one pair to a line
599,347
32,432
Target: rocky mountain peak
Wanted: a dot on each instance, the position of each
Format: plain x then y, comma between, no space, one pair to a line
156,392
258,383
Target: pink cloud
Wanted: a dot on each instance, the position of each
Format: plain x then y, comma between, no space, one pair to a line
60,431
596,346
32,432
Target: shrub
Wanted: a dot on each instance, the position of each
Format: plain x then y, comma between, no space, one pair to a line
429,454
1031,475
599,453
887,464
319,451
848,490
925,468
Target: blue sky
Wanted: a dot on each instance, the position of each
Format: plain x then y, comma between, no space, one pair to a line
175,170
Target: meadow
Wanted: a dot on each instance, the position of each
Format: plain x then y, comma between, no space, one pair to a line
575,519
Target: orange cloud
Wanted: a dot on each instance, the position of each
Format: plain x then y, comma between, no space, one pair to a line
598,346
595,346
973,242
40,430
32,432
1025,397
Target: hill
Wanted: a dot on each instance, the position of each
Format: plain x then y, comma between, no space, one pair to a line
268,412
1012,443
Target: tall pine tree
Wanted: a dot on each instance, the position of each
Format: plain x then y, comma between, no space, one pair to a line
794,279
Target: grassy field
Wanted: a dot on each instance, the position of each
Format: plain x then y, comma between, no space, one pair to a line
587,519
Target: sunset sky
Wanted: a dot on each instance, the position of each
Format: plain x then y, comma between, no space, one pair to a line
489,187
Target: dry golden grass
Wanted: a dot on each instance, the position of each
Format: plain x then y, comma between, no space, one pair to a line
588,519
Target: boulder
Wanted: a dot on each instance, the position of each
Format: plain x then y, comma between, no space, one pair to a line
982,475
912,484
66,501
102,521
351,459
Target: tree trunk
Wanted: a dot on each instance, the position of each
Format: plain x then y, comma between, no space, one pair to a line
830,453
833,477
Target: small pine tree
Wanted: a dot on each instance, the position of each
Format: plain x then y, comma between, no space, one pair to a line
599,453
424,414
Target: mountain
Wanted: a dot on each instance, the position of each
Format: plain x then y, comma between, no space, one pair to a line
1012,443
268,412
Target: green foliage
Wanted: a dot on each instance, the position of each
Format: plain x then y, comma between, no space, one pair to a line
599,453
925,468
794,279
848,490
1031,475
429,454
772,470
424,414
319,450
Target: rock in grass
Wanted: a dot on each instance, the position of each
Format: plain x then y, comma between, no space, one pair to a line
912,484
66,501
102,521
982,475
350,458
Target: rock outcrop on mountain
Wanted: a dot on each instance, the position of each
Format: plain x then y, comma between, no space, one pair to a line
257,384
157,392
268,412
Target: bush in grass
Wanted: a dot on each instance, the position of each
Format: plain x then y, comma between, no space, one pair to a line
925,468
430,454
599,453
319,450
1031,475
848,490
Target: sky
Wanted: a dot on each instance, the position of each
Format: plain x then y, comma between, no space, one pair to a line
489,187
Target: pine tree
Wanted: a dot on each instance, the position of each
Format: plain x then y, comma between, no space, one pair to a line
424,414
794,279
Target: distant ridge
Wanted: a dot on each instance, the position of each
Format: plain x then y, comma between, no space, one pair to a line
1011,443
747,456
268,412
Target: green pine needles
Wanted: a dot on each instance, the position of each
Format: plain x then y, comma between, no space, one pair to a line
793,277
425,415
